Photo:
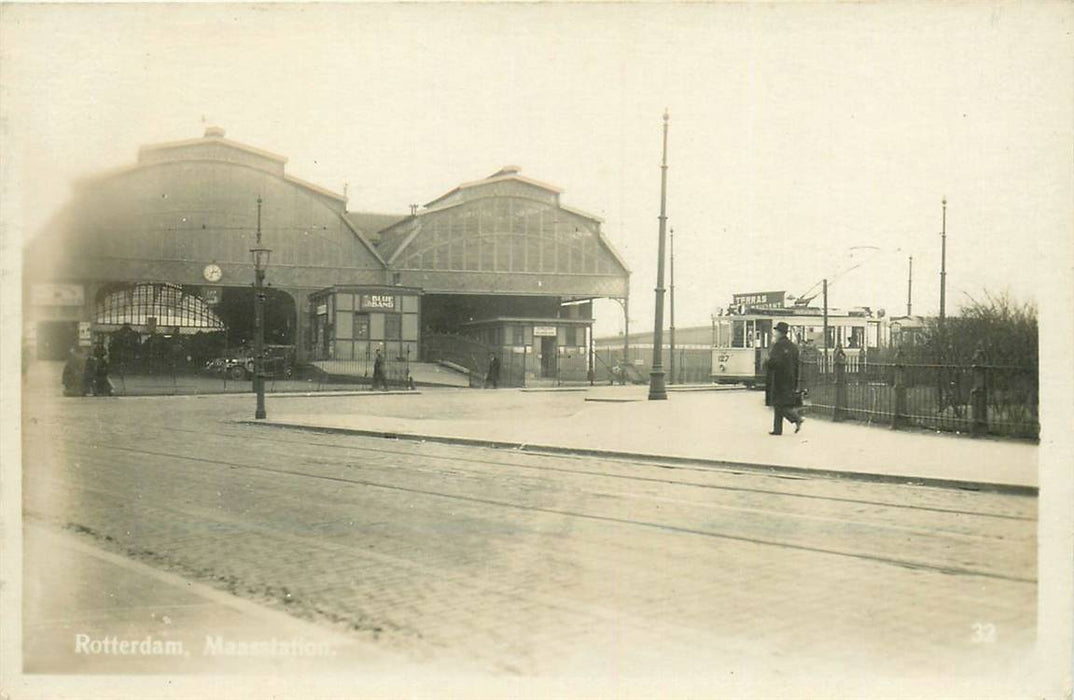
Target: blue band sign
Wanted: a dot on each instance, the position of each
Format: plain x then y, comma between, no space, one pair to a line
378,301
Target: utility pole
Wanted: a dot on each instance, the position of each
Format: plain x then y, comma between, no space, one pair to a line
942,377
825,324
671,339
657,387
943,266
910,289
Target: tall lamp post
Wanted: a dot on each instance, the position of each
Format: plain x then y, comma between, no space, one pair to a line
261,257
657,387
943,305
943,266
671,334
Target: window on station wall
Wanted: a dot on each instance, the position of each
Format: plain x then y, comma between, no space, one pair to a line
393,327
519,333
533,254
472,254
488,247
572,335
361,326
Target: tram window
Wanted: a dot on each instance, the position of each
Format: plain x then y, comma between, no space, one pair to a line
857,335
738,334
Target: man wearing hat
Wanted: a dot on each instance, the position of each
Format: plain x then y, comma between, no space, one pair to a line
781,381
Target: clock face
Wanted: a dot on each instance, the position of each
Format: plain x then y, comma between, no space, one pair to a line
212,272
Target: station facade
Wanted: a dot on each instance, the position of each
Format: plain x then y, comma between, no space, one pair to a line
162,248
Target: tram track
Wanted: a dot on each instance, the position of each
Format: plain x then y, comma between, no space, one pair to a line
589,516
538,468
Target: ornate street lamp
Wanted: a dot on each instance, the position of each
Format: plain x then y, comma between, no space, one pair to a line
261,257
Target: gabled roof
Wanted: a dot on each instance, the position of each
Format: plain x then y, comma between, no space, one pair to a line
212,135
392,240
508,172
371,224
156,154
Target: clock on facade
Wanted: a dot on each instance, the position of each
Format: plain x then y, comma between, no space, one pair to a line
212,272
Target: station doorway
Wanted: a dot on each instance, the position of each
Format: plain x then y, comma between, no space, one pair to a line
548,357
55,339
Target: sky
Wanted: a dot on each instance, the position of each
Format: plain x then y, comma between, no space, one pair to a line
806,141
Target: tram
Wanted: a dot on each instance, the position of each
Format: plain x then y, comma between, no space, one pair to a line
740,341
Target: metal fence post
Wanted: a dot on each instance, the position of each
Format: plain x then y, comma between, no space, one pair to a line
899,417
840,409
979,395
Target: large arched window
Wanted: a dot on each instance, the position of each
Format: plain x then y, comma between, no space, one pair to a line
160,305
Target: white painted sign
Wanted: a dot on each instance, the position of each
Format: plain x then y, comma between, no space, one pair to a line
378,301
57,294
211,295
544,331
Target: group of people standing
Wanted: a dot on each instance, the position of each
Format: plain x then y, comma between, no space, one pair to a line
86,372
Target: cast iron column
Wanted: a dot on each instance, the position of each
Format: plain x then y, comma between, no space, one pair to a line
671,334
657,387
259,324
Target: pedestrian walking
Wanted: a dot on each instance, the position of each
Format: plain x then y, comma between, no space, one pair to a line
493,375
781,382
102,385
378,372
74,372
89,373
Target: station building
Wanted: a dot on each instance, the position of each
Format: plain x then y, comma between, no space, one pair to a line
162,248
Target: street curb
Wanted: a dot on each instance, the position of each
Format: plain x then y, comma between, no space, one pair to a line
1007,489
250,394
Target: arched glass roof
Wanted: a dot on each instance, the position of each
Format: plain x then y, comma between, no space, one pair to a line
168,305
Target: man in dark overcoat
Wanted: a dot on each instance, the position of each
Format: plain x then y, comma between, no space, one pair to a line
493,375
74,372
781,381
379,378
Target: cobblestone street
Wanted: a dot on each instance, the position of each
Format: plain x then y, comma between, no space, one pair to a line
516,563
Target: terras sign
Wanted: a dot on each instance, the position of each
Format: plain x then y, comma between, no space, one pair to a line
760,300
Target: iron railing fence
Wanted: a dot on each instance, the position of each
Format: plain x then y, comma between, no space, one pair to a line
462,352
692,365
978,399
519,366
165,377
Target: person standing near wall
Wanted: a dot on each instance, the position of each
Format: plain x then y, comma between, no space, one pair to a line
378,372
781,381
74,373
102,385
493,375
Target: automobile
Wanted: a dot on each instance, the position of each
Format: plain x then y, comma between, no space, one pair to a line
279,361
